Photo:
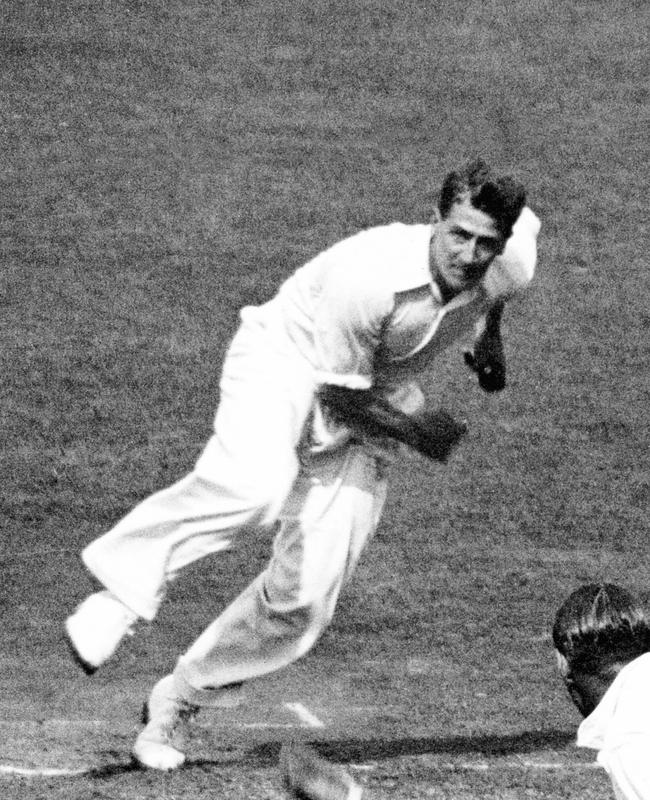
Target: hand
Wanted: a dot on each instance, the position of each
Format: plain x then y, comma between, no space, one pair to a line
436,433
488,361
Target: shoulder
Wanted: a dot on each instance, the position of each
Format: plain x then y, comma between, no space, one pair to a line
383,241
635,675
402,254
514,269
393,256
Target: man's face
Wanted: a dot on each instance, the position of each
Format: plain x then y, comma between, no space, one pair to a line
463,246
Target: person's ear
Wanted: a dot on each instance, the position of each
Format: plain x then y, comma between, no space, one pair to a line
562,664
436,216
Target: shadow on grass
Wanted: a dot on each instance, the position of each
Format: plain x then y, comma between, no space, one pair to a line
493,745
111,770
357,751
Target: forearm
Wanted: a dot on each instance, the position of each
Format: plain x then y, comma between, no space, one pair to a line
431,433
369,412
493,319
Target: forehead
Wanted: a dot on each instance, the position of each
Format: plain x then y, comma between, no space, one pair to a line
464,215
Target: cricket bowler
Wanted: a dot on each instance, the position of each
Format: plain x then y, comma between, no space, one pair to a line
319,393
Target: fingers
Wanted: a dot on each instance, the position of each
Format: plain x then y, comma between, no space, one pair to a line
439,432
491,374
492,378
470,360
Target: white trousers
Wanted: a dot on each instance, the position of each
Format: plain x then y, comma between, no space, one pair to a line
249,476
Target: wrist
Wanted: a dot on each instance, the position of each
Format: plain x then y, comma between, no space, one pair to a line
493,319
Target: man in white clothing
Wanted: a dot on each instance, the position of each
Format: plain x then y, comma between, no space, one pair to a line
602,640
352,328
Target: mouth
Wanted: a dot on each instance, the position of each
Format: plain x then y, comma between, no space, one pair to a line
462,274
467,273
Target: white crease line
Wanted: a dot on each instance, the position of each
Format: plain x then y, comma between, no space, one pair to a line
305,715
558,765
41,772
480,766
266,725
483,766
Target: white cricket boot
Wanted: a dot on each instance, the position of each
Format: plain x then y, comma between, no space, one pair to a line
97,627
157,746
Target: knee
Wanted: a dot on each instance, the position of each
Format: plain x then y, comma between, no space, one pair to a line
257,496
300,611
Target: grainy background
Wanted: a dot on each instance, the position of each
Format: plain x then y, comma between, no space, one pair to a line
164,163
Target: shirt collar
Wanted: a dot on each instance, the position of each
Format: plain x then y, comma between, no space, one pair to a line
415,273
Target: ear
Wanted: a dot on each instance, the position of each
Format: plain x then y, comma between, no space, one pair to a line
436,216
562,664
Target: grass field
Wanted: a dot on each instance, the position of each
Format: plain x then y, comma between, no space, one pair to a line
165,163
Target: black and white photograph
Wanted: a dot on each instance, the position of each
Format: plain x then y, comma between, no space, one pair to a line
324,400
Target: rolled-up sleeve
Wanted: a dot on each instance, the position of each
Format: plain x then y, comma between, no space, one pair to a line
513,270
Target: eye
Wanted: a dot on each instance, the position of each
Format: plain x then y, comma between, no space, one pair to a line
486,246
461,235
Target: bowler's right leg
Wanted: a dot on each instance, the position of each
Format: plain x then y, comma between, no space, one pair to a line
96,629
240,481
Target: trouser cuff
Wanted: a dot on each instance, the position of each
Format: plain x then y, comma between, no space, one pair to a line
126,593
229,696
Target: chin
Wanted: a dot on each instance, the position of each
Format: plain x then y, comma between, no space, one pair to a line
455,283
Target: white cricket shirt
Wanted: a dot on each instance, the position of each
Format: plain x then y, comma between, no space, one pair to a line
366,311
619,728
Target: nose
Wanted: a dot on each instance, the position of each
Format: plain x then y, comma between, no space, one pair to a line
467,254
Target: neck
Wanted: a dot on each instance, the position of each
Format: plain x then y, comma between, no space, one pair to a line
447,292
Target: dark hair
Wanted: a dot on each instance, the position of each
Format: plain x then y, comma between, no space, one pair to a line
600,626
502,198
